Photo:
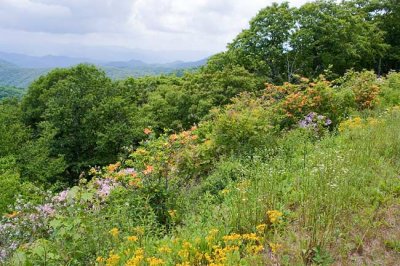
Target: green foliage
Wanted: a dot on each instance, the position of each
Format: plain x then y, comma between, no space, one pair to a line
283,41
83,119
390,94
243,126
13,133
9,183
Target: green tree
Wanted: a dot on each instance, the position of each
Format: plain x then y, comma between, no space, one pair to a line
81,116
284,41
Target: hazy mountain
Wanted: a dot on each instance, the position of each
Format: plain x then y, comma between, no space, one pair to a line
20,70
48,61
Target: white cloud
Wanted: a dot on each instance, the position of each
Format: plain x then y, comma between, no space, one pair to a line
53,26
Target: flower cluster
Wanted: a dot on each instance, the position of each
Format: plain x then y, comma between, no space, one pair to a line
313,120
212,248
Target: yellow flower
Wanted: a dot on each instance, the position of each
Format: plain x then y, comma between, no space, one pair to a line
275,247
172,213
100,259
261,228
113,260
155,261
132,238
231,237
164,249
137,259
225,191
274,216
185,263
254,249
187,245
114,232
251,237
92,171
211,235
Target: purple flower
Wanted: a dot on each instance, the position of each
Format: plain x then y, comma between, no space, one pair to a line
62,196
328,122
303,123
46,209
105,186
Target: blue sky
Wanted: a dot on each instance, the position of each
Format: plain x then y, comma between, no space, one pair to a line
112,28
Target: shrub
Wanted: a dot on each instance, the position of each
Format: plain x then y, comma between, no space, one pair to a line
390,94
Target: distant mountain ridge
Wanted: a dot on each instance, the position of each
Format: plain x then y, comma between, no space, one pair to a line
20,70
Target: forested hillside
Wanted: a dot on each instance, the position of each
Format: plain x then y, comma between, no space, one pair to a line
282,150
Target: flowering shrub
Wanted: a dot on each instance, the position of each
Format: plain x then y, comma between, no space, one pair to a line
364,86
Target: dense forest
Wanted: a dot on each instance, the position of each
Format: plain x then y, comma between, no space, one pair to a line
282,150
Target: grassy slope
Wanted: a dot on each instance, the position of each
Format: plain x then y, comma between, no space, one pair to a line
339,197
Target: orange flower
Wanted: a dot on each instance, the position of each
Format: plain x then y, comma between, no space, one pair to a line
12,215
173,137
112,167
147,131
148,170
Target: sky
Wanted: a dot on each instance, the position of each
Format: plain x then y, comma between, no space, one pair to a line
115,29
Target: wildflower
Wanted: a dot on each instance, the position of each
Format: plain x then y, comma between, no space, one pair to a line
155,261
254,249
186,245
274,216
114,232
136,182
136,259
147,131
93,171
46,209
231,237
112,167
250,237
113,260
185,263
62,196
105,187
164,249
275,247
148,170
261,228
172,213
225,191
211,235
100,259
132,238
184,254
173,137
12,215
